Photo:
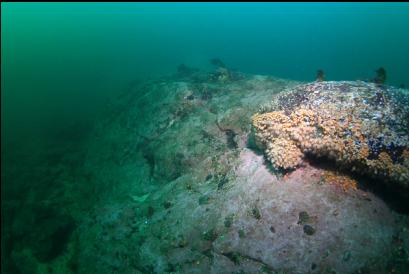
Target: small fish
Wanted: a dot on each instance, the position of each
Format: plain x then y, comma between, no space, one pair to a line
139,199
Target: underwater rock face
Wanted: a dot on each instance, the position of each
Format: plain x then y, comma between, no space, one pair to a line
314,223
180,188
360,126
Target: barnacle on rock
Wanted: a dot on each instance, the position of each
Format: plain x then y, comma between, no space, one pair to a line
320,75
380,77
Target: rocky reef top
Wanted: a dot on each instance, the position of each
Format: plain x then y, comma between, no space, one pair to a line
360,126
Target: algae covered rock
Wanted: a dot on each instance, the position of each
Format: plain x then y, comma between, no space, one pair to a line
359,126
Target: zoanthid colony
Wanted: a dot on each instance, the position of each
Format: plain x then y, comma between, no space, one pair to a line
358,126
